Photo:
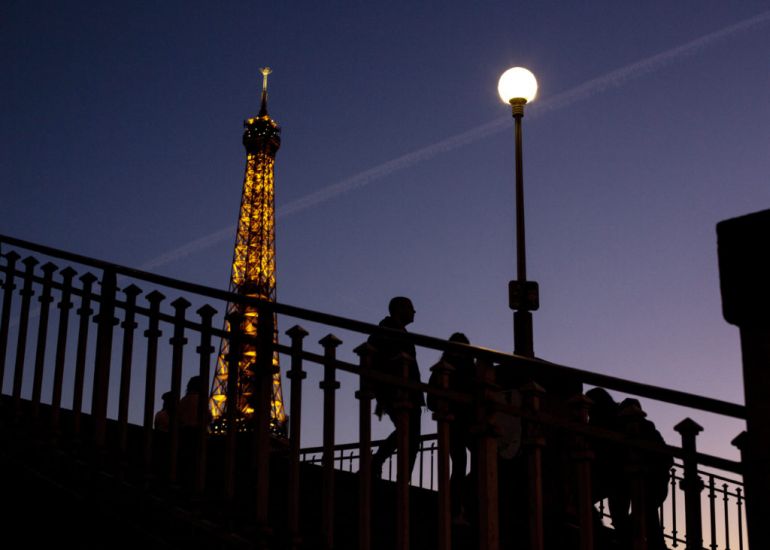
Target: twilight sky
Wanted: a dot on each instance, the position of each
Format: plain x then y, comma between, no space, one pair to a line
121,128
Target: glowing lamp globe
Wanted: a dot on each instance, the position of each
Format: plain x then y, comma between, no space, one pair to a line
517,83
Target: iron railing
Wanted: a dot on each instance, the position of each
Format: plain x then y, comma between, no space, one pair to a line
120,369
723,497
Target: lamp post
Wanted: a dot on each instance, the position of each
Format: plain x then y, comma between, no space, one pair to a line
517,87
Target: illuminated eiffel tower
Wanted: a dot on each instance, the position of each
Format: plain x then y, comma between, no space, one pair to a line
253,269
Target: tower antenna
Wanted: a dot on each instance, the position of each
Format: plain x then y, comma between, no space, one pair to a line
265,71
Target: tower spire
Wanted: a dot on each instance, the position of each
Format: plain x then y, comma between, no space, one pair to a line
263,108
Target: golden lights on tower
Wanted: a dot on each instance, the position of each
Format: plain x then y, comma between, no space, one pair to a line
253,268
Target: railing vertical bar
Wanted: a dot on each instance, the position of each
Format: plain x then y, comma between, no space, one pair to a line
402,408
662,519
235,344
129,326
739,494
420,473
674,531
5,318
442,417
364,395
21,345
582,457
329,385
153,333
726,498
433,465
486,452
266,369
105,323
177,342
295,375
65,305
205,350
636,468
713,511
85,311
534,442
42,336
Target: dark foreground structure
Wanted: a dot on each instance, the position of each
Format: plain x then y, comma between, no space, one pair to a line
85,344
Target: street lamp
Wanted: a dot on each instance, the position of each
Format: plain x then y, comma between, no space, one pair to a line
517,87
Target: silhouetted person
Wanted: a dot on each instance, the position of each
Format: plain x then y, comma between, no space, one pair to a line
161,421
616,466
653,468
461,378
188,406
607,454
388,360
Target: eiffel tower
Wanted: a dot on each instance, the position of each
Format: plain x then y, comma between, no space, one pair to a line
253,268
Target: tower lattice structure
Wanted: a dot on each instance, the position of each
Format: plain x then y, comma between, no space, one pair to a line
253,268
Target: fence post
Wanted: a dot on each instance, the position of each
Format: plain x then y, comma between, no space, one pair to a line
691,484
21,346
486,451
84,311
534,441
205,349
364,396
105,323
263,407
329,385
129,326
443,416
635,469
234,351
177,342
582,456
402,407
5,319
65,305
296,375
42,336
152,334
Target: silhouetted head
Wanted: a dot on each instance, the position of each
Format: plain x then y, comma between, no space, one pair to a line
460,338
168,399
630,408
195,385
453,356
401,310
604,406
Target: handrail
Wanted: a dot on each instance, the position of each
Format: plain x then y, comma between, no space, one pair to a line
618,384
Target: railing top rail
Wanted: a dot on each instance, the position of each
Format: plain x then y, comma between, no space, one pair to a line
618,384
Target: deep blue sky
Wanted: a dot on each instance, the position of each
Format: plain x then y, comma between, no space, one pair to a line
121,128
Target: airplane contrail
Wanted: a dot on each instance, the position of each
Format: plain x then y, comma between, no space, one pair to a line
588,89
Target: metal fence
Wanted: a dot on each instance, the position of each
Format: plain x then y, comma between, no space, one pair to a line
110,357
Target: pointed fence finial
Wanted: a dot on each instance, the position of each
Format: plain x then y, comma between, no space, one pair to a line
265,71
